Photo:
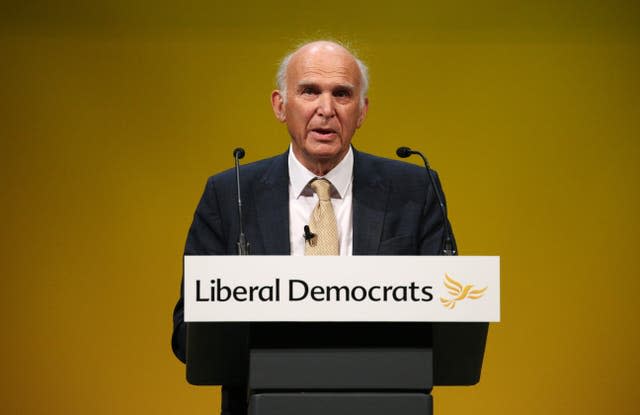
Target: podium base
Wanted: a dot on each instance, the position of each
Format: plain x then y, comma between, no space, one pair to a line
341,403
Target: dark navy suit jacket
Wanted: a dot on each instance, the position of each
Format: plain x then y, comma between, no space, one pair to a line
395,212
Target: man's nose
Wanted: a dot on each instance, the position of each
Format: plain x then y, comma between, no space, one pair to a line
326,106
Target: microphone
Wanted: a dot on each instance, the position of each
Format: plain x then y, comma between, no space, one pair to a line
403,152
238,153
243,245
308,235
447,248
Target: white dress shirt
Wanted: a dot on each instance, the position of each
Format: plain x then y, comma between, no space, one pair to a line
302,201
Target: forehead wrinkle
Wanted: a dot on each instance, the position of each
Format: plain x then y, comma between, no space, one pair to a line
333,72
340,73
309,82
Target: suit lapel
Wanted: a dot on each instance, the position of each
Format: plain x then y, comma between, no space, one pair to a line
370,193
273,216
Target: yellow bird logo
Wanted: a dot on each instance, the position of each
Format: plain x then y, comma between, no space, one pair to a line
459,292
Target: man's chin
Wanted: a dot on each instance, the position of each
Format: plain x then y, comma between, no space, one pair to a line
326,154
320,159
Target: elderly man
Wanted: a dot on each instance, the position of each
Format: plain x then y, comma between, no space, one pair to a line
354,203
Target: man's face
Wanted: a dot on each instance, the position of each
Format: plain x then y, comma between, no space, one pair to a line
322,108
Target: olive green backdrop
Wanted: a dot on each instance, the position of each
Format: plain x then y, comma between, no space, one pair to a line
114,114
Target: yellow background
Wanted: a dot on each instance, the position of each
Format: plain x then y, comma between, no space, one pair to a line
113,116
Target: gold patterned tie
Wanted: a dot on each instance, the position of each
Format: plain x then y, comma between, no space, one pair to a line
322,223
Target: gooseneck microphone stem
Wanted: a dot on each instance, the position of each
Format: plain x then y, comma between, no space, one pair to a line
447,246
243,245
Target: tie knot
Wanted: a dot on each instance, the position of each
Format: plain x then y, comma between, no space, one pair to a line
321,187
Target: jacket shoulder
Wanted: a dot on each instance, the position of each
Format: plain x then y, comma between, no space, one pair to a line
392,171
250,172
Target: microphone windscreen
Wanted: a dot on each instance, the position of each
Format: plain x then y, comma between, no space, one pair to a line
238,152
403,152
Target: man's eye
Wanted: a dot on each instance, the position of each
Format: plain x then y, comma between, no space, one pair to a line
342,93
308,91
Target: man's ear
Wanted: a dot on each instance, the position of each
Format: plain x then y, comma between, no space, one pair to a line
277,103
363,112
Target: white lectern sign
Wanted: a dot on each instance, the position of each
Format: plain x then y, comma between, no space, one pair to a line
340,288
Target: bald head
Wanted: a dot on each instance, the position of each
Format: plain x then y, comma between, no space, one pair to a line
319,46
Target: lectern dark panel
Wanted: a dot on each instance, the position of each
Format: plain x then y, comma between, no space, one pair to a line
218,353
458,350
387,369
341,404
340,335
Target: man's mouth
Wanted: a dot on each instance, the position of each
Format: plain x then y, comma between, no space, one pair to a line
324,132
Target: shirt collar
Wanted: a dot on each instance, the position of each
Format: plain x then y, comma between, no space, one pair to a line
340,176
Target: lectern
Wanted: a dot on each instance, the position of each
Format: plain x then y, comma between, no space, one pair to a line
372,337
336,368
